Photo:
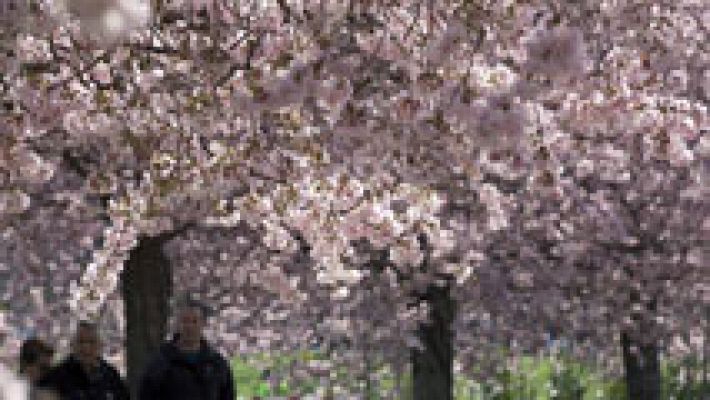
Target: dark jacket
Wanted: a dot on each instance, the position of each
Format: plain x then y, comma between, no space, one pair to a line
172,375
71,382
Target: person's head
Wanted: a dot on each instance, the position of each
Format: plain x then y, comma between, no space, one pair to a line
87,345
190,318
35,358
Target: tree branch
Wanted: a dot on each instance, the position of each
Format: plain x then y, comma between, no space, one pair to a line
246,66
286,10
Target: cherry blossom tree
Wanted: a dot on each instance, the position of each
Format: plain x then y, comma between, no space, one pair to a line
422,128
617,243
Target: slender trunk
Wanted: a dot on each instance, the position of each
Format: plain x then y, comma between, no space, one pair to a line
642,368
706,354
397,382
432,368
147,286
369,393
689,384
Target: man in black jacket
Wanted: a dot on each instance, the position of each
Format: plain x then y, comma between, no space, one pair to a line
35,362
84,375
35,359
187,368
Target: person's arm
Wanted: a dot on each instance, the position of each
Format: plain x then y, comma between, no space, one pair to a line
227,391
150,384
121,390
53,381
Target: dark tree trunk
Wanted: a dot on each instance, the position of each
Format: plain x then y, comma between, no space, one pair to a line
706,354
642,369
369,391
147,287
432,368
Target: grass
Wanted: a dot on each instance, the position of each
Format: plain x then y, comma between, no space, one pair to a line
534,378
248,374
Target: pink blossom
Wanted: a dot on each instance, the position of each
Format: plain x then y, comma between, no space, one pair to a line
102,73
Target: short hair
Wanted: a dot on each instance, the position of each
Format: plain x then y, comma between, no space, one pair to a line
187,302
85,324
31,351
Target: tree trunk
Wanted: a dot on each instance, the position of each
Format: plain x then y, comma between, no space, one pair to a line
397,382
432,368
642,368
147,287
706,354
369,392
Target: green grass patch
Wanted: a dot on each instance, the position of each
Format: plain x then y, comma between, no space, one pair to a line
534,378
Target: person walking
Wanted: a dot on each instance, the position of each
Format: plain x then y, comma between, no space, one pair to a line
187,367
35,362
84,374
